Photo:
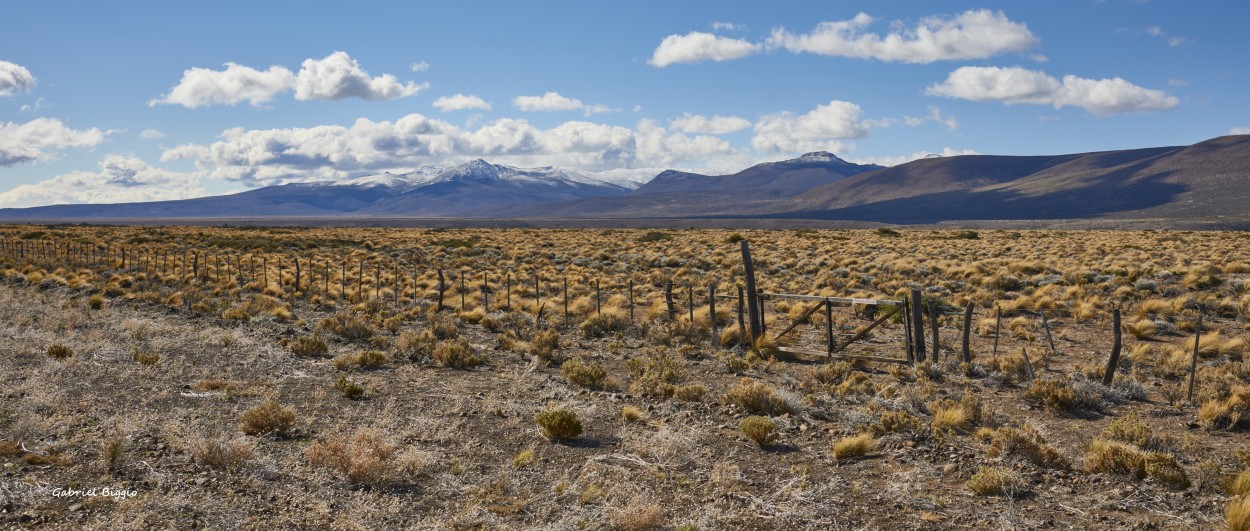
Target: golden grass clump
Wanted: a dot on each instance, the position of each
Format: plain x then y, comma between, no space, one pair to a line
1240,485
455,353
221,453
758,398
1142,329
558,424
583,374
1026,443
1237,514
631,413
1057,395
854,446
1124,459
309,345
347,326
638,515
365,458
268,418
609,321
365,359
1225,413
994,481
761,430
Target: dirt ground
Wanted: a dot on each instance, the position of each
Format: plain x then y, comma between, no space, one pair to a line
109,437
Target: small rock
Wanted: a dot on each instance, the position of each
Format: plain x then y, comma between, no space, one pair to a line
75,507
950,468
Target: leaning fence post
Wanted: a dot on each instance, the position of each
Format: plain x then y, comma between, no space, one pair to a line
1193,363
967,332
711,309
933,322
749,270
917,323
1049,339
998,321
1028,365
1114,361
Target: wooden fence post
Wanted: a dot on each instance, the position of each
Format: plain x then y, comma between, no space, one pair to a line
917,322
668,300
749,270
441,286
829,327
1108,374
759,295
998,321
967,332
1049,339
690,301
933,322
1193,363
711,308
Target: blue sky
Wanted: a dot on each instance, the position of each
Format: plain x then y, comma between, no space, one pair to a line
100,103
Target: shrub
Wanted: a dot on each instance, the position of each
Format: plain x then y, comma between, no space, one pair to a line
523,458
761,430
59,352
268,418
1127,460
582,374
1240,485
146,359
455,353
1237,514
1057,395
349,388
758,398
221,453
349,327
365,458
95,302
544,344
631,413
1143,329
994,481
606,322
690,393
308,346
1225,413
1026,443
854,446
365,359
559,424
638,515
416,345
895,422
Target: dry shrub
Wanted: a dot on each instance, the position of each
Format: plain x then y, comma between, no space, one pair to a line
1225,413
605,323
582,374
896,422
365,458
1142,329
1027,443
1240,485
638,515
221,453
631,413
854,446
559,424
690,393
268,418
1057,395
347,326
543,346
655,373
1127,460
758,398
349,389
365,359
994,481
416,345
59,352
1237,514
308,346
455,353
761,430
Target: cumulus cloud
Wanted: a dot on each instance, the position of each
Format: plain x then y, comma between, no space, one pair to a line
1012,85
332,152
460,102
550,101
200,87
1239,131
15,78
974,34
818,130
902,159
151,134
338,76
698,46
716,125
120,179
41,139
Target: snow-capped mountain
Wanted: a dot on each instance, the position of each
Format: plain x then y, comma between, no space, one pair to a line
482,171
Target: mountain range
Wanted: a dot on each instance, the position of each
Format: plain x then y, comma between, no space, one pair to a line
1207,180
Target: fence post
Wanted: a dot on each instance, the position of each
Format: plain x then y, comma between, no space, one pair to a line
1049,339
749,270
462,290
566,300
998,321
967,332
1113,362
668,300
917,323
829,326
759,296
1193,363
711,308
441,286
933,323
598,298
690,301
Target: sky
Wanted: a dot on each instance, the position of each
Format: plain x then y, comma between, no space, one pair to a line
106,102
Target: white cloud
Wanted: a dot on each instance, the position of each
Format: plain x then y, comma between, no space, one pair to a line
935,115
1172,40
338,76
33,107
335,77
460,102
200,86
1155,31
699,46
974,34
419,66
41,139
716,125
120,179
1239,131
726,26
902,159
151,134
598,108
331,152
818,130
550,101
15,78
1017,85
